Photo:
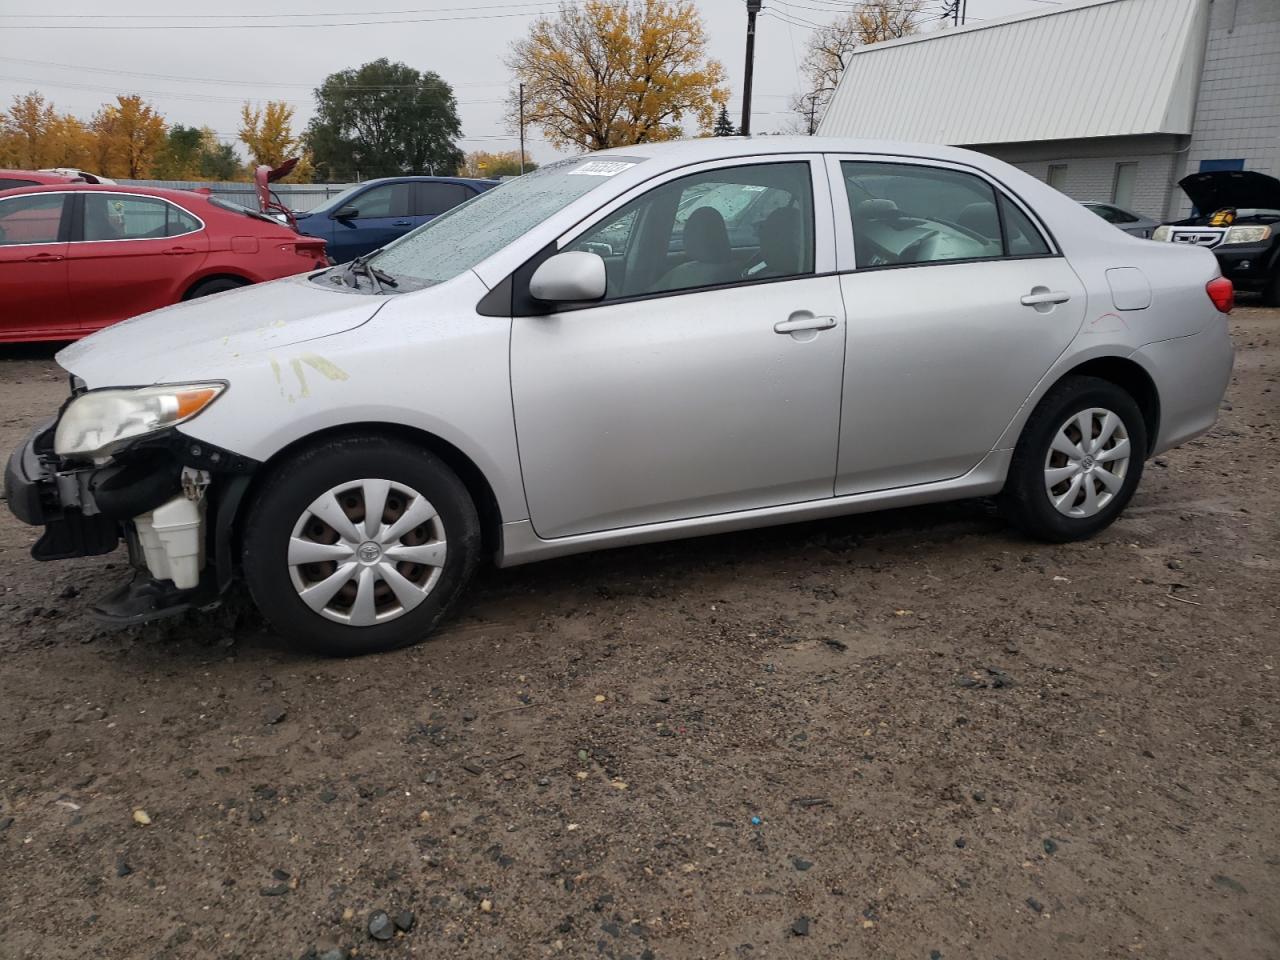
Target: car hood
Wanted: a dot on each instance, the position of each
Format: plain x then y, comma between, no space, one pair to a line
1231,188
194,338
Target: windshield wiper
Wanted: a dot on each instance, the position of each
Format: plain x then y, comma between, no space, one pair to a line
360,267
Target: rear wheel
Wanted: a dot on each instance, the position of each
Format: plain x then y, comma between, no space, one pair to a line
217,285
1078,461
360,545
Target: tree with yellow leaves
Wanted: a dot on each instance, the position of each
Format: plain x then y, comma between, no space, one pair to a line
482,163
831,46
34,135
610,73
130,135
267,132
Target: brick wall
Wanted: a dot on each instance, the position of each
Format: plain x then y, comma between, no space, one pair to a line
1091,167
1238,110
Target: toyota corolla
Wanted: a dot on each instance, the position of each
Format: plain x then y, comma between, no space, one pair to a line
655,342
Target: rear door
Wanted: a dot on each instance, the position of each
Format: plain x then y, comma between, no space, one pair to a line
958,303
33,267
383,213
130,254
432,199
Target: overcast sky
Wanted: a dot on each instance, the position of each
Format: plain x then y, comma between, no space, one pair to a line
197,62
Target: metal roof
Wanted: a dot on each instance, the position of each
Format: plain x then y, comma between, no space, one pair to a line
1096,69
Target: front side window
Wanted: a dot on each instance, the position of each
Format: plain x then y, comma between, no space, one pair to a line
906,214
112,216
730,225
388,200
30,219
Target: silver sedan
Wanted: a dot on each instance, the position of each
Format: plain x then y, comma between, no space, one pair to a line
655,342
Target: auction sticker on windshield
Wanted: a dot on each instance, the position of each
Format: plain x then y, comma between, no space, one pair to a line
601,168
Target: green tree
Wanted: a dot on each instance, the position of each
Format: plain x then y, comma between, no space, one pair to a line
218,161
179,158
384,119
723,126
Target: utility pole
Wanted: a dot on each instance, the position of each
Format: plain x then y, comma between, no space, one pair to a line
522,129
813,109
753,7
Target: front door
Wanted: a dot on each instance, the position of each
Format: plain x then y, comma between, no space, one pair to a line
957,308
708,379
383,213
33,268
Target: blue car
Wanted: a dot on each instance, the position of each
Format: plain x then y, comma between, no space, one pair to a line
372,214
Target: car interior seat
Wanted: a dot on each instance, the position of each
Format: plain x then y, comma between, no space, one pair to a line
706,244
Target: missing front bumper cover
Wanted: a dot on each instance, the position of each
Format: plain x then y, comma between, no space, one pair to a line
144,598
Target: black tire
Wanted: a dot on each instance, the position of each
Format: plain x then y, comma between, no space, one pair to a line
1025,500
1271,292
217,285
286,496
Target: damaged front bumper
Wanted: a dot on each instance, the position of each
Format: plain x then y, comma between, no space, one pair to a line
172,499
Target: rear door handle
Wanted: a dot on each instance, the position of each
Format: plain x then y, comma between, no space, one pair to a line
403,223
796,324
178,251
44,258
1040,296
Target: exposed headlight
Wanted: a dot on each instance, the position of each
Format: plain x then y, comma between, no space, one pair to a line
1247,234
1161,233
95,423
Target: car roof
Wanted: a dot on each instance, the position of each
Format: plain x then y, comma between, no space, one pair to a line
678,152
79,187
414,178
41,176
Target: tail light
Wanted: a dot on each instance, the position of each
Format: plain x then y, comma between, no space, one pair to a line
1222,292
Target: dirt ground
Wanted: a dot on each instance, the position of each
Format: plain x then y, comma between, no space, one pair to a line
906,735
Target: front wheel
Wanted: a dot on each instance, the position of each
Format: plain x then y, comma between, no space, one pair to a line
1078,461
360,545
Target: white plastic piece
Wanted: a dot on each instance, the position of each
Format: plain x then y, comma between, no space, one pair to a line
172,540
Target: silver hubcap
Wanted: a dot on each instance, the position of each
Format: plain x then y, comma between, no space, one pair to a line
367,552
1087,462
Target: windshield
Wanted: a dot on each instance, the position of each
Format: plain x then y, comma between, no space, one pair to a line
459,239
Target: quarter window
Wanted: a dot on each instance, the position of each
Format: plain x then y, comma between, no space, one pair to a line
111,216
909,214
30,219
730,225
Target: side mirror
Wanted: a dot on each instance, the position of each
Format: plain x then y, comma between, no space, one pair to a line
570,277
349,212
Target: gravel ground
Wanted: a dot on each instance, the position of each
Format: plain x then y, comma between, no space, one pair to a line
906,735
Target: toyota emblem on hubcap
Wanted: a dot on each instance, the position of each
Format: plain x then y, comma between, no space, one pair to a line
369,552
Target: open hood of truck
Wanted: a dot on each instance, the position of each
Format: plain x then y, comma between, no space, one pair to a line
199,335
1231,188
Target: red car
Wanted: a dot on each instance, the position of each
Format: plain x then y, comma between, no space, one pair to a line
77,257
12,179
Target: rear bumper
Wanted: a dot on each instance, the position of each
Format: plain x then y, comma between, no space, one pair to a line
1191,375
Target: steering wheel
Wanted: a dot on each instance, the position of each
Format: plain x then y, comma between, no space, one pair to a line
919,249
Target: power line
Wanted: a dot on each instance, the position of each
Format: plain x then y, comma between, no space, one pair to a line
278,26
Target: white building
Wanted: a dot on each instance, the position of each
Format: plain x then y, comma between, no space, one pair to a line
1110,100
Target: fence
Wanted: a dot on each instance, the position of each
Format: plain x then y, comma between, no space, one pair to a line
299,197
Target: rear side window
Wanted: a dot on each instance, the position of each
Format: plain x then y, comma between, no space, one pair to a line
111,216
436,198
388,200
180,222
8,184
30,219
907,214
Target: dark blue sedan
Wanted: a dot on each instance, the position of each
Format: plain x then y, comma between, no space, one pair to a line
372,214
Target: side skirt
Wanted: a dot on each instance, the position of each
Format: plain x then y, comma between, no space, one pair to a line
521,545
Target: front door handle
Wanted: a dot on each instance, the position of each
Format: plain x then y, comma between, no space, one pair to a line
179,251
798,323
403,223
44,258
1039,296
